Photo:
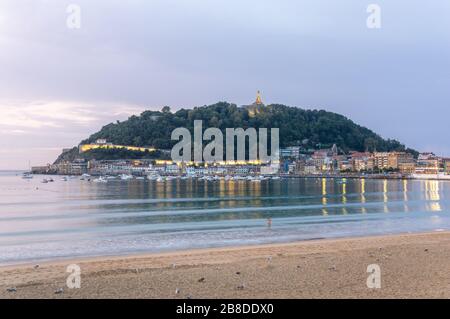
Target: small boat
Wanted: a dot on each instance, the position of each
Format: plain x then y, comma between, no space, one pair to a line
64,179
126,177
44,181
140,178
50,180
160,179
27,175
276,178
100,180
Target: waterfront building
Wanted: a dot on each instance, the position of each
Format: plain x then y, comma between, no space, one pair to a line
321,160
77,167
116,167
446,164
327,160
380,159
269,169
285,166
310,169
407,168
172,169
345,164
395,159
427,163
292,152
291,168
361,161
240,170
195,171
156,170
217,170
49,169
300,165
385,160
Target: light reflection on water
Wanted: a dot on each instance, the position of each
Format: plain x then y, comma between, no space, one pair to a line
76,218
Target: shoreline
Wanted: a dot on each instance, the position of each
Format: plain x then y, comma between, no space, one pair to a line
195,251
412,266
425,177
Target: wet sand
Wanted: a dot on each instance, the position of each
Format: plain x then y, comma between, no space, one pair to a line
412,266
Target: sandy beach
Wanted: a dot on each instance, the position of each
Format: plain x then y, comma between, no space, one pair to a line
412,266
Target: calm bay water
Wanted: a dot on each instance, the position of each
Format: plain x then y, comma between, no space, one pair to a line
78,218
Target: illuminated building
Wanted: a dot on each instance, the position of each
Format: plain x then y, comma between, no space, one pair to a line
407,168
394,160
102,144
360,161
380,160
427,163
290,152
446,162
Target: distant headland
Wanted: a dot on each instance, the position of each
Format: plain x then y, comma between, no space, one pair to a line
312,142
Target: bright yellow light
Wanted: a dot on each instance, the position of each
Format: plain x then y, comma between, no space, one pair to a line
405,191
435,207
88,147
344,192
162,162
324,191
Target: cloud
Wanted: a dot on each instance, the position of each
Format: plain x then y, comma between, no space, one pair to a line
39,130
30,149
14,132
16,117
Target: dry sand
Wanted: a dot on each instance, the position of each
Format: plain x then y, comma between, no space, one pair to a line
412,266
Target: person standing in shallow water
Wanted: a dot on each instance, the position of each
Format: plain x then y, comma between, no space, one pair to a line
269,223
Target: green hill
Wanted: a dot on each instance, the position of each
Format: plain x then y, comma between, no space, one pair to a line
310,128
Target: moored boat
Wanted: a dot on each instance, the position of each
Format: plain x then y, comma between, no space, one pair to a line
101,179
27,175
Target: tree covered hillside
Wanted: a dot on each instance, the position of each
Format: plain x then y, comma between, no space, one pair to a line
310,128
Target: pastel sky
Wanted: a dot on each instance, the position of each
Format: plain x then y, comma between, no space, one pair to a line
58,85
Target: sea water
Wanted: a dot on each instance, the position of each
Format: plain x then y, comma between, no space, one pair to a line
74,218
